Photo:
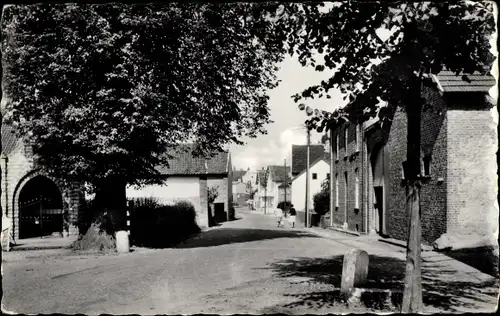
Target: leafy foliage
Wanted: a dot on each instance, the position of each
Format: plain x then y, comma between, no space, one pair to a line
104,90
153,224
212,193
422,39
321,200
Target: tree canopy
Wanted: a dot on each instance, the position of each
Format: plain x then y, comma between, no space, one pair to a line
105,90
423,38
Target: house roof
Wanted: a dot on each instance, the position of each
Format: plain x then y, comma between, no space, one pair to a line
261,174
311,165
279,173
9,139
299,156
184,163
447,81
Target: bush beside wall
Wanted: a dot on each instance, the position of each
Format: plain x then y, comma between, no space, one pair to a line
155,225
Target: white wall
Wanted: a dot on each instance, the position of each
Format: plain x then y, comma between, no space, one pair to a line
175,188
321,168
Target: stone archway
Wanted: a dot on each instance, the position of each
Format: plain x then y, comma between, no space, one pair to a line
37,201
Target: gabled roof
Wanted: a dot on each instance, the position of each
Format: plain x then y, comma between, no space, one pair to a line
447,81
279,173
299,156
312,165
9,139
184,163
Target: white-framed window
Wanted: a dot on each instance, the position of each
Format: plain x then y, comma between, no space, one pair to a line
346,141
356,189
357,138
337,190
337,142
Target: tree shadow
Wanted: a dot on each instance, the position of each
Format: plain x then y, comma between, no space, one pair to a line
385,273
225,236
485,259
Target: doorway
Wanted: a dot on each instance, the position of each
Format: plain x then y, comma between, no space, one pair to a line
379,209
40,208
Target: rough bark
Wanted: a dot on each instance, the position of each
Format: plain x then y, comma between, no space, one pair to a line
412,295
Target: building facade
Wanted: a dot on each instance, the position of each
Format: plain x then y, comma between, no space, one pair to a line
188,179
458,146
35,203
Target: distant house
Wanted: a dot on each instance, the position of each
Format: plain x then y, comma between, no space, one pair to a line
319,170
189,178
268,183
240,194
458,146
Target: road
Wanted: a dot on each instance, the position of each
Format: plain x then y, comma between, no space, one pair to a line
244,266
228,269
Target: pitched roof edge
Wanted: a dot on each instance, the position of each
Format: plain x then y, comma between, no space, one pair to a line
312,165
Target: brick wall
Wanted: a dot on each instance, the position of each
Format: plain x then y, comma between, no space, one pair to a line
433,200
349,159
18,169
471,174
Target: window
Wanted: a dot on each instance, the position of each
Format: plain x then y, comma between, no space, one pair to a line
356,189
337,141
346,141
336,190
345,195
356,137
427,165
328,176
315,176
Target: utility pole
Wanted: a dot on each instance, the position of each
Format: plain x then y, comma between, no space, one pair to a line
285,186
265,192
331,177
308,221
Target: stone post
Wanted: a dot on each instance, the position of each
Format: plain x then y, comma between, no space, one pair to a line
354,270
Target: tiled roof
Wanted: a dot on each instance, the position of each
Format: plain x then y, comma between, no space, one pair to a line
299,156
9,140
184,163
449,82
278,173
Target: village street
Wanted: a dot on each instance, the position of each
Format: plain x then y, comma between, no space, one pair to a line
244,266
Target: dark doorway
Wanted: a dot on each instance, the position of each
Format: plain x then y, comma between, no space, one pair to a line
379,208
40,208
220,214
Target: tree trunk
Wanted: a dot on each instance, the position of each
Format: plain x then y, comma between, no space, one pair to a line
111,197
412,295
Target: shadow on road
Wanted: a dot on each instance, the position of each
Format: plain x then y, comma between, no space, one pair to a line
384,273
226,236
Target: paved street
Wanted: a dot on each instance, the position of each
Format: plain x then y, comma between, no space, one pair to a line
244,266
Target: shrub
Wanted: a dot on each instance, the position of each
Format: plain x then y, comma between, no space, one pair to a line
156,225
321,200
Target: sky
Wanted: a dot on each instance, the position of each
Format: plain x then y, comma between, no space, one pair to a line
286,130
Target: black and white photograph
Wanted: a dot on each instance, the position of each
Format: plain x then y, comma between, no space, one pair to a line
249,158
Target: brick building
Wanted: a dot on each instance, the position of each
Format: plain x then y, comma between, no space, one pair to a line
458,147
37,204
